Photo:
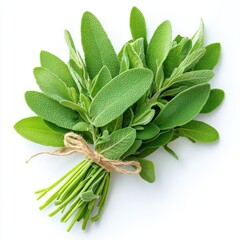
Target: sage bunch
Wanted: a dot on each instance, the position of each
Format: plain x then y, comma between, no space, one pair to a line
126,105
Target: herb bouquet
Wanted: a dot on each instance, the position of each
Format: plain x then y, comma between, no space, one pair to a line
126,105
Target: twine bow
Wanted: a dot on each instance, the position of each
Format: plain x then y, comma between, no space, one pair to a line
75,143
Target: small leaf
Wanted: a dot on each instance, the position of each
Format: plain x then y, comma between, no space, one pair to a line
198,38
184,107
176,55
210,58
150,131
103,77
171,152
215,99
88,196
97,47
159,46
51,84
198,131
119,94
119,142
34,129
73,106
51,110
81,127
172,92
138,25
132,149
148,171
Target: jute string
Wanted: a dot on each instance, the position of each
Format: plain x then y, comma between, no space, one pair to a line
74,143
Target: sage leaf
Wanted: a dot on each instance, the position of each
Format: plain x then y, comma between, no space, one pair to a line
172,92
198,38
149,131
58,67
132,149
159,46
171,152
134,59
192,78
215,99
51,84
119,94
97,47
103,77
34,129
81,127
88,196
51,110
176,55
210,58
138,25
148,171
184,107
119,142
198,131
73,106
55,128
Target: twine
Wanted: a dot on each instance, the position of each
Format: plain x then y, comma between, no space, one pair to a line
74,143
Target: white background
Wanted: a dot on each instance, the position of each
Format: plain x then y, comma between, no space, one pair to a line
196,197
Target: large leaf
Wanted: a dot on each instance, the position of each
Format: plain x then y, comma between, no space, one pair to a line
148,171
118,143
35,129
51,84
198,131
119,94
184,107
58,67
138,25
51,110
159,46
215,99
97,47
210,58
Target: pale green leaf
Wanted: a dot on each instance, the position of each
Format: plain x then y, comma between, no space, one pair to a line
97,47
81,127
159,46
119,94
119,142
34,129
51,110
198,38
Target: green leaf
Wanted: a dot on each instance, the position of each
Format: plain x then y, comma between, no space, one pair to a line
88,196
210,58
193,78
198,131
184,107
51,110
134,59
198,38
73,106
189,62
148,171
172,92
55,128
171,152
176,55
215,99
119,94
51,84
150,131
97,47
119,142
138,25
159,46
81,127
151,146
103,77
58,67
132,149
34,129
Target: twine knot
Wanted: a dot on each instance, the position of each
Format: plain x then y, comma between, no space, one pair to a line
75,143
